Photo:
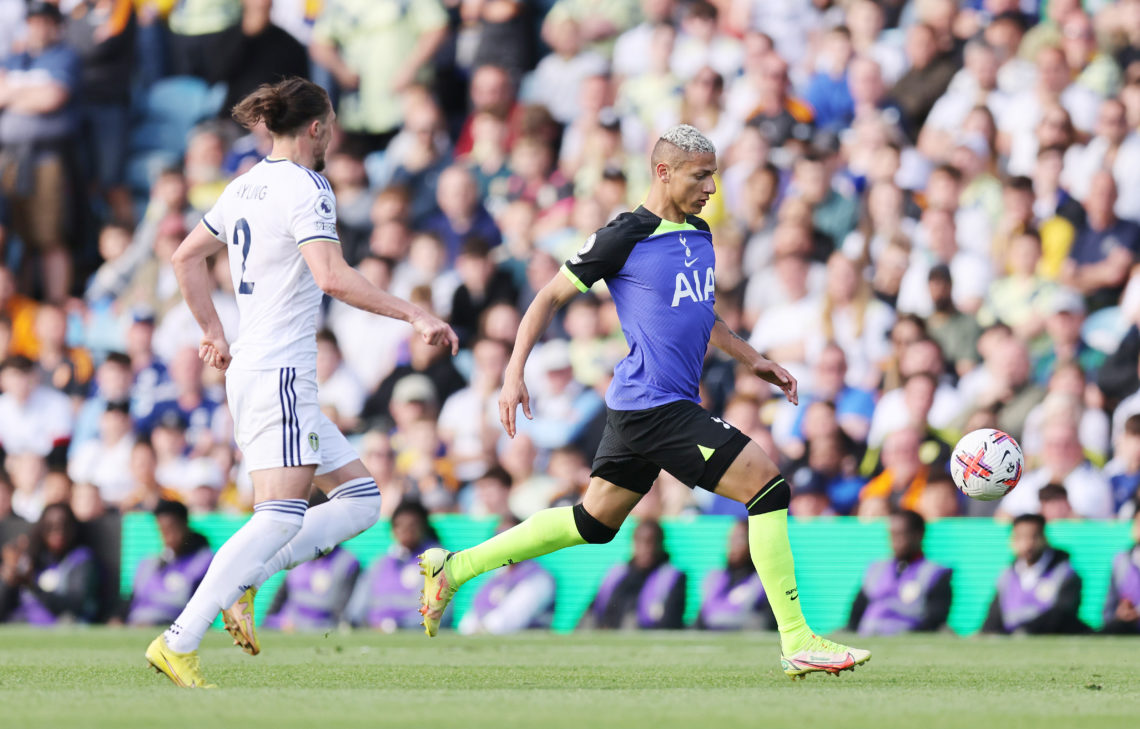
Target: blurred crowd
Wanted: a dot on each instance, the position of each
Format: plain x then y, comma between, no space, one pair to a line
928,211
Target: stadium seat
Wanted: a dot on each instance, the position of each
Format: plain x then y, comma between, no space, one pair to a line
165,116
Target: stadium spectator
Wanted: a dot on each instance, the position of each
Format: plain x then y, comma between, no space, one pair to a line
1003,385
733,598
928,74
195,26
340,394
907,593
1069,397
562,406
1123,471
49,576
1039,593
1062,462
252,52
386,596
503,35
489,494
647,592
483,284
632,50
421,359
39,121
1055,503
517,598
468,422
376,50
1104,249
904,474
34,418
1122,604
778,115
1114,147
104,461
558,77
163,583
955,332
103,35
62,367
461,216
314,595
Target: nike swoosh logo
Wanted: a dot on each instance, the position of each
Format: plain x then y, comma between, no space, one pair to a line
436,571
689,264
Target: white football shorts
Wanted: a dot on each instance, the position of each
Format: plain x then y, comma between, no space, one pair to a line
278,423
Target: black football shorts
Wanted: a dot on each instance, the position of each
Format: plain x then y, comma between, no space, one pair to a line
681,437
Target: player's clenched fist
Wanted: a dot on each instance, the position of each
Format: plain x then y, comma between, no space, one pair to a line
214,351
436,332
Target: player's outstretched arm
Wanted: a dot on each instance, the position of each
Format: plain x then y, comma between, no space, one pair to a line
550,299
341,281
194,280
727,340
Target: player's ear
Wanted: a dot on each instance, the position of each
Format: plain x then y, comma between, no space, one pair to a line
663,171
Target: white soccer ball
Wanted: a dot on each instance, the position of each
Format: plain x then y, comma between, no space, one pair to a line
986,464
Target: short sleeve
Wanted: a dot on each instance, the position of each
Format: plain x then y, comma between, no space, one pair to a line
214,222
314,217
326,29
428,15
604,252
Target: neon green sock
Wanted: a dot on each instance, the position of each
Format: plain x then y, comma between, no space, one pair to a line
772,557
547,531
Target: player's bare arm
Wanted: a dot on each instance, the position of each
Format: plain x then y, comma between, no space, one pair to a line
339,280
550,299
730,342
195,282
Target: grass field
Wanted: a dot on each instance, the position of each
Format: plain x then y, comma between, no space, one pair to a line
97,678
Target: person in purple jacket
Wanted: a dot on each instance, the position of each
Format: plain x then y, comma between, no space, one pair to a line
164,582
647,592
387,596
1122,606
519,597
49,577
905,593
315,594
733,598
1040,592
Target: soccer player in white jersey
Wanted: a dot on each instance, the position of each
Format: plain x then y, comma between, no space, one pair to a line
279,223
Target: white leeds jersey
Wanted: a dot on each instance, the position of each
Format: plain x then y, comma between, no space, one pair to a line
265,216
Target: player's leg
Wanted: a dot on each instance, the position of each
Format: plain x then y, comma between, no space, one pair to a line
352,507
281,496
594,521
753,480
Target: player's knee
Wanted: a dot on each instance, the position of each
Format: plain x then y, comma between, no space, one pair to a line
774,496
592,530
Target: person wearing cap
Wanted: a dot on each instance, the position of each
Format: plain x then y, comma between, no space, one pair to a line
39,120
1065,315
563,407
906,593
164,582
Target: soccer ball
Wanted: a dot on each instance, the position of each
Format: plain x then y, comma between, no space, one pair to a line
986,464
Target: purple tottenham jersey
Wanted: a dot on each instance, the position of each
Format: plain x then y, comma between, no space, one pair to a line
661,277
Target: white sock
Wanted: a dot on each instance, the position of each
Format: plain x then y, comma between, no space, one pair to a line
353,507
235,567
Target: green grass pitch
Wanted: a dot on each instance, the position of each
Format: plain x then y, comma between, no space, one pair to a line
75,678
